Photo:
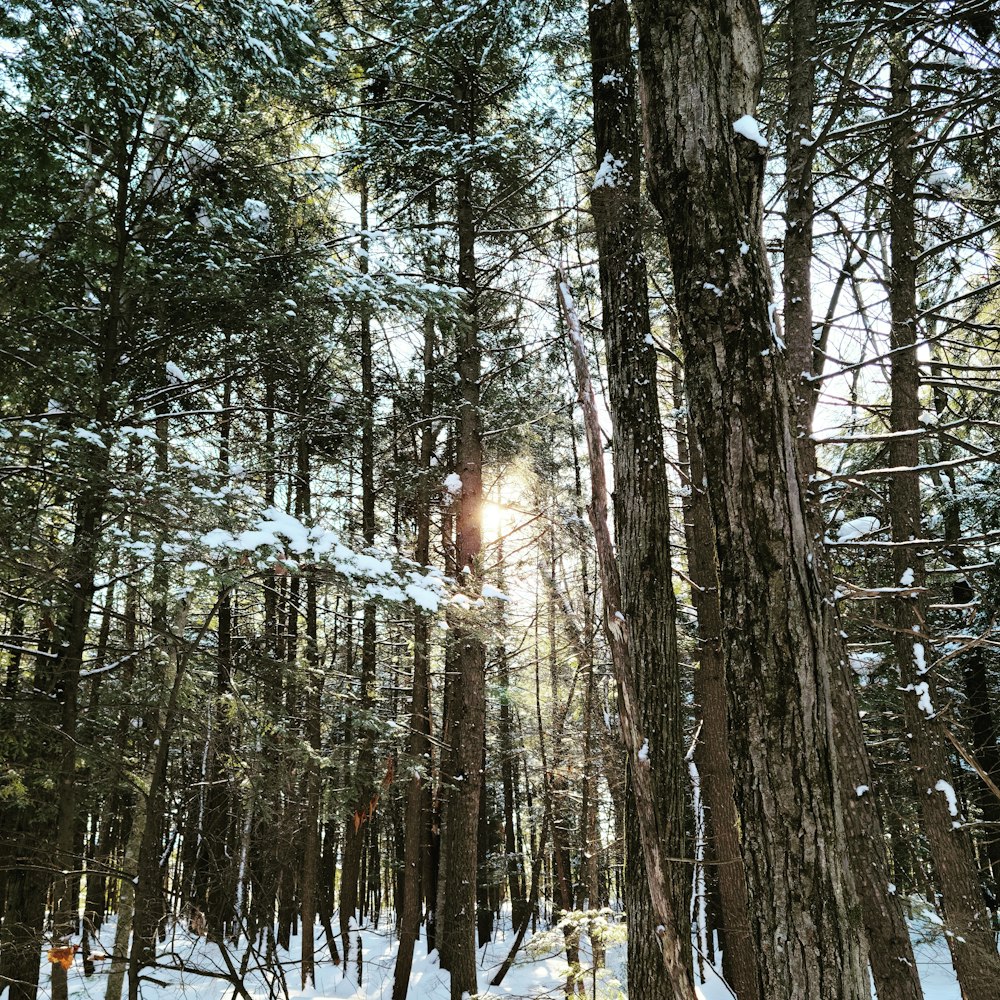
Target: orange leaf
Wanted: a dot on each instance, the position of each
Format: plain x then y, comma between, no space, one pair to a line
63,955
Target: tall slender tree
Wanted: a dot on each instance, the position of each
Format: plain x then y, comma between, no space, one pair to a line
642,494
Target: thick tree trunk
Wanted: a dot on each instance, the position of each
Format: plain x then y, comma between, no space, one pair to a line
963,906
701,70
641,497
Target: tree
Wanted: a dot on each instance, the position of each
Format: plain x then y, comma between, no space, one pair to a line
642,492
780,632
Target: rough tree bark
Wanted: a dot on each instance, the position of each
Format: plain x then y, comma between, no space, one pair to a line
641,496
701,65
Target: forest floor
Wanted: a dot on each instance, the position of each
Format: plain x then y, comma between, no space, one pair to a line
191,968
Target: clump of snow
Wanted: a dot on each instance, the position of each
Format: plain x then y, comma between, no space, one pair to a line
257,213
923,693
608,172
941,178
861,790
906,580
644,751
453,484
771,311
858,527
175,374
749,128
423,597
949,793
919,658
199,154
489,591
90,437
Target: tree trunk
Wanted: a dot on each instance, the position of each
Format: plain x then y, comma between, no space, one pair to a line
701,70
675,953
420,723
313,723
641,497
963,906
457,930
893,964
364,778
739,957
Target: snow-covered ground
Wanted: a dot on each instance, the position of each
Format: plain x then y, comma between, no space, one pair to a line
190,969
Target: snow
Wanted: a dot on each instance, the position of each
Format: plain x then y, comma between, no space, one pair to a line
608,172
918,658
175,374
861,791
940,178
858,527
771,311
948,792
489,591
198,154
906,580
192,968
453,484
279,532
257,213
749,128
423,597
644,751
388,592
923,693
90,437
